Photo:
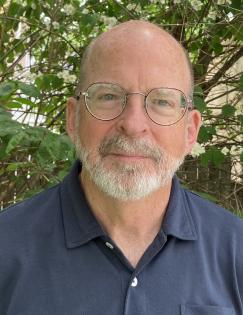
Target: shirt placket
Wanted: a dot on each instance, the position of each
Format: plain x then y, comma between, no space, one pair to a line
136,297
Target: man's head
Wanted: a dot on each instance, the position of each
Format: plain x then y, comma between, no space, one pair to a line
137,32
131,155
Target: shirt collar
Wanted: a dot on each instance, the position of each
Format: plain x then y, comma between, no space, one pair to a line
81,226
178,221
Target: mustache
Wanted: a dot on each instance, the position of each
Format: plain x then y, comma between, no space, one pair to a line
123,144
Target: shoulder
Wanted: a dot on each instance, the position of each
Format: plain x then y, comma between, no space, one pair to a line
25,217
219,234
212,218
26,233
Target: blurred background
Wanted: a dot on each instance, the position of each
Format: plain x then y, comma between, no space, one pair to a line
41,44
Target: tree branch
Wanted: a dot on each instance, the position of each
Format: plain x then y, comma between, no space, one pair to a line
207,86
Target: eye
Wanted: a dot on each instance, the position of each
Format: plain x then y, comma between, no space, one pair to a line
108,97
161,102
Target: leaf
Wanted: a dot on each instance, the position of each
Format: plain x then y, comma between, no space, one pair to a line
241,119
36,134
14,9
53,148
213,155
238,34
198,91
41,82
228,110
241,157
56,82
199,103
8,126
199,69
217,157
50,82
236,4
195,45
24,101
28,89
3,146
15,141
4,114
62,174
17,165
71,154
7,88
216,44
13,105
206,133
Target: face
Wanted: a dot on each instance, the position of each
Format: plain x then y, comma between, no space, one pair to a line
131,156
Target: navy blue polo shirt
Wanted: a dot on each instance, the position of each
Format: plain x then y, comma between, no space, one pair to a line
55,259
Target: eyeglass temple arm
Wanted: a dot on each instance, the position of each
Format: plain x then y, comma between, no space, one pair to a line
190,104
79,95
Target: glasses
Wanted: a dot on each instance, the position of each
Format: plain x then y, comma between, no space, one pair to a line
164,106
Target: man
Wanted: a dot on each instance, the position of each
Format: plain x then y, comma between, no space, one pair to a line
120,235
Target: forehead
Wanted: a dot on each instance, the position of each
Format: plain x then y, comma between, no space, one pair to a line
141,57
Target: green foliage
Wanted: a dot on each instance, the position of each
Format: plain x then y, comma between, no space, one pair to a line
28,89
206,133
199,103
228,111
6,89
212,155
41,43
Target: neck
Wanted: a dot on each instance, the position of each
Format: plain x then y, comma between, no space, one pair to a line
130,224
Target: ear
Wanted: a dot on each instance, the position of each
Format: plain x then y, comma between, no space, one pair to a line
194,122
70,117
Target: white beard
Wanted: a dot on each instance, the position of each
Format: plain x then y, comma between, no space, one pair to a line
128,182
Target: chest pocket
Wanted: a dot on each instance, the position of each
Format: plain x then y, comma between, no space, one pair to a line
205,310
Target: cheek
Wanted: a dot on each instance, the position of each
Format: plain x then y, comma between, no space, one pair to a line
173,140
92,132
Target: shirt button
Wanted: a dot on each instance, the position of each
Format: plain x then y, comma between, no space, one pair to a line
109,245
134,282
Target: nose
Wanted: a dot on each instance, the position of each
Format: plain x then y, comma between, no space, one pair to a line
134,120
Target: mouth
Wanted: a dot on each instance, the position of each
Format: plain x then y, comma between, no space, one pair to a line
127,157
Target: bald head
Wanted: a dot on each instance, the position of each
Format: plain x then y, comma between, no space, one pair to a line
135,41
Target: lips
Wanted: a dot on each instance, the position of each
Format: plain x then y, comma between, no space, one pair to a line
129,154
